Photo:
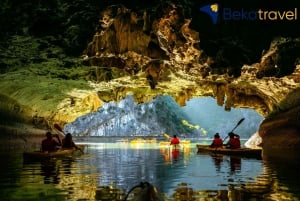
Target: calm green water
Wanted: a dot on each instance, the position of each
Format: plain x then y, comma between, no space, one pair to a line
108,170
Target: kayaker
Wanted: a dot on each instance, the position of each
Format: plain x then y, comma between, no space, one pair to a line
68,142
50,144
217,142
175,140
234,141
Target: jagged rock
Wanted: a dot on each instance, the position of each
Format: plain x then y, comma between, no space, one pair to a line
281,58
121,32
126,118
136,51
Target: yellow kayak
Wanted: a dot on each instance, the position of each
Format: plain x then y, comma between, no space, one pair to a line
182,142
34,155
140,140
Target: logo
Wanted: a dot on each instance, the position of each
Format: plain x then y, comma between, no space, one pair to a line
229,14
212,10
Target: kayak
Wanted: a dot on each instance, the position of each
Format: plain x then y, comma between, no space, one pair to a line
182,142
140,140
47,155
242,152
36,155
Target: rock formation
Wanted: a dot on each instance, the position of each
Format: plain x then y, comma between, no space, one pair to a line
145,55
184,71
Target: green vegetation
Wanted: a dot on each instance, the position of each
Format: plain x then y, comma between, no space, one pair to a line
41,85
172,116
34,31
43,31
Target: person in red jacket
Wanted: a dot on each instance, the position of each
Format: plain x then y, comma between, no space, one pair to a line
217,142
50,144
234,141
175,140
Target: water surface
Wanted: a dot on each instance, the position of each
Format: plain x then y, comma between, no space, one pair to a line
110,168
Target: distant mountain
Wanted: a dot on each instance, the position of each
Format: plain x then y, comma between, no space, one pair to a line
126,118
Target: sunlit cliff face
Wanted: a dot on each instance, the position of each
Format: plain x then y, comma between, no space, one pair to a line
146,54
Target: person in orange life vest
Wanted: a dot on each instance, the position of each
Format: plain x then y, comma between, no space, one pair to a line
217,142
68,142
234,141
175,140
50,144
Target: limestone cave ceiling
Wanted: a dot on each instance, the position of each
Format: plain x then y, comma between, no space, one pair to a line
147,55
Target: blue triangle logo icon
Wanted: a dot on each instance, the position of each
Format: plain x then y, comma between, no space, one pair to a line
212,10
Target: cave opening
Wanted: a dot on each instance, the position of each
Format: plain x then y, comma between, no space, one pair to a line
216,119
199,118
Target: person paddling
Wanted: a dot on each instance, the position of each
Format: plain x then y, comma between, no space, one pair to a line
234,141
175,141
217,142
68,143
50,144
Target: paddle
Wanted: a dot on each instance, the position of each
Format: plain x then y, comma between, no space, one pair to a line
167,136
57,127
240,121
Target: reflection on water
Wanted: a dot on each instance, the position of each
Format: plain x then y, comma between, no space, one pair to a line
107,171
50,172
235,162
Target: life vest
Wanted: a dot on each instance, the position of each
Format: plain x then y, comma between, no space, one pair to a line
217,142
175,141
235,143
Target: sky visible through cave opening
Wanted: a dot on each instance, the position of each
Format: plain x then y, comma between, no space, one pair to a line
213,118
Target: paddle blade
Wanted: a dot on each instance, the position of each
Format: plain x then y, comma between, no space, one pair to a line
166,135
240,121
58,127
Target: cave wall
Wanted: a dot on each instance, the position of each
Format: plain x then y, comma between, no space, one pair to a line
167,50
